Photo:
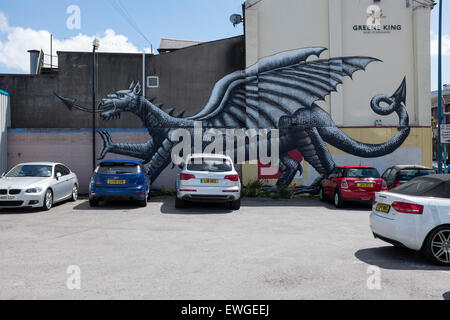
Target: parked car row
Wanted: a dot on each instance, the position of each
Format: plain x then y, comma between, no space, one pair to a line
410,205
360,183
204,178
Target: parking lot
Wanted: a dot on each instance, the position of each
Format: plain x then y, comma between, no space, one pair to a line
270,249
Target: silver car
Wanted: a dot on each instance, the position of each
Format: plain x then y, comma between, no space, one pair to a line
208,178
37,185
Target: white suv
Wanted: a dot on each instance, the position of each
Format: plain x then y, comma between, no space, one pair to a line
208,178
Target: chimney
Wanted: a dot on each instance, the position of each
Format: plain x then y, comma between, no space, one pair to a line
34,60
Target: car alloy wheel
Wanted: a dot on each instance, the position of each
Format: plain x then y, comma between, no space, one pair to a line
74,193
440,246
321,196
48,199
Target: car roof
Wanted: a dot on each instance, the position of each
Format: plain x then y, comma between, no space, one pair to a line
121,160
39,163
435,177
411,166
208,155
356,167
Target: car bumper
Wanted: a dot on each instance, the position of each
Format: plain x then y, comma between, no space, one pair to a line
367,197
395,231
208,194
137,193
23,200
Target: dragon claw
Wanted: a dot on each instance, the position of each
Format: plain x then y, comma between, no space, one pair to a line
107,143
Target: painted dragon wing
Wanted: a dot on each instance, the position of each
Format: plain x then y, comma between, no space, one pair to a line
276,86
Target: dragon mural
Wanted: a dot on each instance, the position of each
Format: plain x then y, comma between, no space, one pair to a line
278,92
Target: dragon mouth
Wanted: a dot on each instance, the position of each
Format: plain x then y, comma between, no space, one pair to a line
108,111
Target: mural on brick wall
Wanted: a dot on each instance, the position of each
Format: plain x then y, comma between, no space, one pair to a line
277,93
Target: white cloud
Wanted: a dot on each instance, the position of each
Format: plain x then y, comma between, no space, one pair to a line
13,51
445,45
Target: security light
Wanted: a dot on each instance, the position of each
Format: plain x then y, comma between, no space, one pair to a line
96,43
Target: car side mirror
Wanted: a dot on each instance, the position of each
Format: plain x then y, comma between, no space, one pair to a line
58,175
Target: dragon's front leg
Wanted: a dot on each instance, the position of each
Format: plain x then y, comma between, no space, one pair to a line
143,152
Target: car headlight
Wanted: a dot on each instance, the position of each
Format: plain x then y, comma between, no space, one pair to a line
33,190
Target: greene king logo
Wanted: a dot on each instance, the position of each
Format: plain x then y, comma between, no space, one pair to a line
374,22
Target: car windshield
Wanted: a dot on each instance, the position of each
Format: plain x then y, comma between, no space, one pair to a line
118,168
361,173
416,187
28,170
409,174
209,164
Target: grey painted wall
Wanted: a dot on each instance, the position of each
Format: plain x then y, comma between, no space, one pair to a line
4,125
187,77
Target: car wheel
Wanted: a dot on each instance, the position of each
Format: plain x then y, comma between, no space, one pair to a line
74,193
437,246
236,204
321,194
93,202
180,203
48,200
338,201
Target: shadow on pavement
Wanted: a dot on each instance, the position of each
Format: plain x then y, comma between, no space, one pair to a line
19,211
396,258
303,202
168,207
107,205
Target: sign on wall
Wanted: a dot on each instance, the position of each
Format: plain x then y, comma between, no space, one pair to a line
445,133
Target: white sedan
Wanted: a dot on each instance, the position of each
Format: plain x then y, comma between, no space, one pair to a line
416,215
37,185
208,178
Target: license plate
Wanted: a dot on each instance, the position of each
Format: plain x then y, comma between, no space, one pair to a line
116,182
7,198
383,207
364,185
210,180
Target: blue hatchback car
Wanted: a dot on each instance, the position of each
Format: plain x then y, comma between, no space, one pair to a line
119,179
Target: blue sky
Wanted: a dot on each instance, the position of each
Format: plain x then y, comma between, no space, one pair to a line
24,22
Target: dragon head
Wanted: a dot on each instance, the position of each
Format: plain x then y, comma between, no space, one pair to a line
121,101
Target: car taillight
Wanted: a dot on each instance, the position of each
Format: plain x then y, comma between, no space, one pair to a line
185,176
405,207
384,185
96,169
233,177
344,184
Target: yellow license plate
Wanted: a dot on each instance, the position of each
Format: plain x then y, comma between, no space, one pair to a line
116,182
365,185
210,180
383,207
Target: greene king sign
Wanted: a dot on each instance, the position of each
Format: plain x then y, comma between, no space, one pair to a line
374,23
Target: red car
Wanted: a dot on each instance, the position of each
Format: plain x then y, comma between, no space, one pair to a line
352,183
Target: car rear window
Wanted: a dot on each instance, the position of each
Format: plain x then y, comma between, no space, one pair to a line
118,168
409,174
209,164
361,173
